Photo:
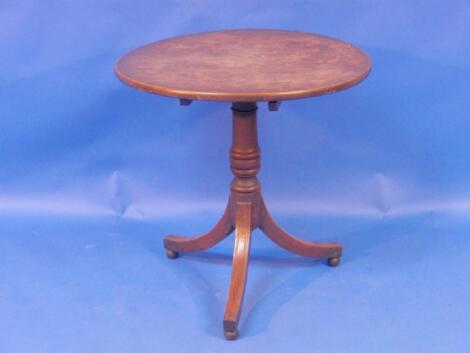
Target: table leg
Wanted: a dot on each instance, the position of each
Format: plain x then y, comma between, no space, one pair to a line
330,251
174,244
241,254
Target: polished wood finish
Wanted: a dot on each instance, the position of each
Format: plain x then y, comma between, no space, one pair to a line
241,256
294,245
244,65
204,241
245,212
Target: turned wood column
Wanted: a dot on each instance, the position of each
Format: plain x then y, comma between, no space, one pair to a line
245,163
245,152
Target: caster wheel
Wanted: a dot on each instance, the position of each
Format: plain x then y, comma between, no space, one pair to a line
172,254
333,261
231,335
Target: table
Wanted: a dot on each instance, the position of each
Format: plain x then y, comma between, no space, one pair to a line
245,67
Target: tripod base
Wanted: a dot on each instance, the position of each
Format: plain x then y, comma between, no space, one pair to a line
244,213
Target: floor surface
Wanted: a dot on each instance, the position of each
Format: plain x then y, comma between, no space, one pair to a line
105,285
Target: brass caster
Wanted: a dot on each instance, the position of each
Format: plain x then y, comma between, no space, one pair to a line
333,261
231,335
172,254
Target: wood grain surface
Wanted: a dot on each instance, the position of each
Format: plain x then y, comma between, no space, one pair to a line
244,65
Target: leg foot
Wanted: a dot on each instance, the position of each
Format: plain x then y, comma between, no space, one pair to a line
333,261
175,244
295,245
172,254
231,335
241,255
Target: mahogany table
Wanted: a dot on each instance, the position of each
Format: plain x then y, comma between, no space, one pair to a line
244,67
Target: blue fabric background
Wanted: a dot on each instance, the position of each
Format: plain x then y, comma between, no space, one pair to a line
88,163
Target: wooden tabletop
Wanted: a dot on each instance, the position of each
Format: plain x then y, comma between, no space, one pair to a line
244,65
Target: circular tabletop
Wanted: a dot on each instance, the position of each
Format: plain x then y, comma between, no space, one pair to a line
244,65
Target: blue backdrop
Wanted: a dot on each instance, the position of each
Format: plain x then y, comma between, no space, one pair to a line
94,173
